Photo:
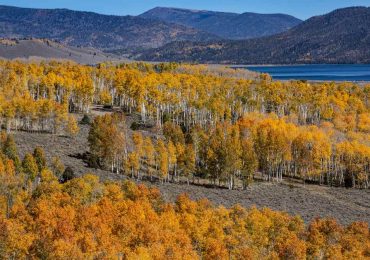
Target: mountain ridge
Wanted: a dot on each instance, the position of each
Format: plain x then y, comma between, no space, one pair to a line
225,24
89,29
341,36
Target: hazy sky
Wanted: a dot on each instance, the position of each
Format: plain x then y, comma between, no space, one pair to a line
300,8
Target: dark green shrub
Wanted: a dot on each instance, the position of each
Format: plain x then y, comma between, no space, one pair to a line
135,126
86,120
93,161
67,175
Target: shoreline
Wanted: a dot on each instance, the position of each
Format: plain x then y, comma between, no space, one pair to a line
355,73
297,64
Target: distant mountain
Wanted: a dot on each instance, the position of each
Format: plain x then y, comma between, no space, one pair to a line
93,30
36,49
225,25
342,36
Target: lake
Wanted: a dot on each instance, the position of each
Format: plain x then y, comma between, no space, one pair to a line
345,72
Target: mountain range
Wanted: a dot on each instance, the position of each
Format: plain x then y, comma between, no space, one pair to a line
342,36
172,34
225,25
151,29
89,29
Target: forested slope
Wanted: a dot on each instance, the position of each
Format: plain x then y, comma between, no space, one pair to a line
196,125
42,216
226,25
342,36
87,29
210,124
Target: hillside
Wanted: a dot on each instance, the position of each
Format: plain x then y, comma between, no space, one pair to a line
88,29
308,201
342,36
213,154
45,49
225,25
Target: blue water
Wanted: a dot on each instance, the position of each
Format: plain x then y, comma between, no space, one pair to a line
345,72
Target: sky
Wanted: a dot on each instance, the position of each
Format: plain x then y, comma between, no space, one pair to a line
302,9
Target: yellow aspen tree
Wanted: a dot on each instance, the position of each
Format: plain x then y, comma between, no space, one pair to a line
39,155
172,159
249,162
137,138
149,154
134,163
188,168
57,167
180,150
29,167
162,160
72,126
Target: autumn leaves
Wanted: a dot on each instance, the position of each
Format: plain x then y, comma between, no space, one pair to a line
87,219
165,160
211,126
231,127
230,155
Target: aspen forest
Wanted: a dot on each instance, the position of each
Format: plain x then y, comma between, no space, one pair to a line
170,123
45,216
209,124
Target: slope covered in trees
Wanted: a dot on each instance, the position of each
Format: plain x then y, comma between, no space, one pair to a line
226,25
232,154
341,36
212,124
43,218
87,29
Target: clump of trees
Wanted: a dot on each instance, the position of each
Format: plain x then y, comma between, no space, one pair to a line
107,140
166,159
233,154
